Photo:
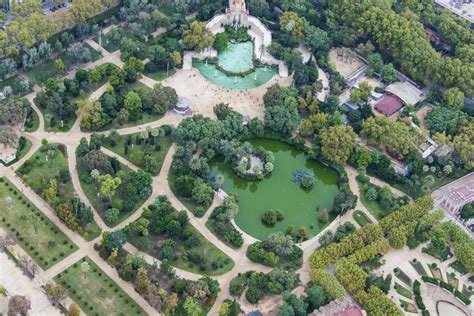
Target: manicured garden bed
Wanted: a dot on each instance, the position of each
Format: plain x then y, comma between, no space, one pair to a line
402,276
360,217
95,293
430,280
441,254
459,267
402,291
418,267
467,290
452,280
408,307
35,233
372,206
435,271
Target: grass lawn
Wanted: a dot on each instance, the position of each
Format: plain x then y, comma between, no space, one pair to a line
136,154
12,83
43,72
107,44
191,251
95,293
211,228
57,127
160,74
372,206
167,9
37,172
402,291
360,217
35,233
101,204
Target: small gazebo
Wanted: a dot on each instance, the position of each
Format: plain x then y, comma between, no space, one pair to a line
183,106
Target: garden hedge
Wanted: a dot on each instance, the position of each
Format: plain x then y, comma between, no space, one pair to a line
446,286
416,287
462,297
419,302
430,280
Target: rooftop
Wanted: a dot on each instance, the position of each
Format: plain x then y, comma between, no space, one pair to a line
462,8
407,92
389,105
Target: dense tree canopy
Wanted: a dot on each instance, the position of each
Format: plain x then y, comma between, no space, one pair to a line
338,142
405,39
397,137
197,36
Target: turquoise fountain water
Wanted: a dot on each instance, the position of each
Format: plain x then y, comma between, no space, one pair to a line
237,58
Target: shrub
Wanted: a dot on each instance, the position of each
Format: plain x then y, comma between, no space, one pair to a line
257,254
462,297
446,286
323,216
236,286
416,287
270,217
419,302
430,280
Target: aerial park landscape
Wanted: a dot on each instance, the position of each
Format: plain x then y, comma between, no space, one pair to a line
260,157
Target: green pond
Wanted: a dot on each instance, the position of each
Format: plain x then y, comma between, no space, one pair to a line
236,58
278,191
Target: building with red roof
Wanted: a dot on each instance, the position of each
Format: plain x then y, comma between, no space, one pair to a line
389,104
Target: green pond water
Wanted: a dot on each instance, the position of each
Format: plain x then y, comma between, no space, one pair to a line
277,191
236,58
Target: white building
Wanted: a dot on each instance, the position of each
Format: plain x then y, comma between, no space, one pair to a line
453,196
